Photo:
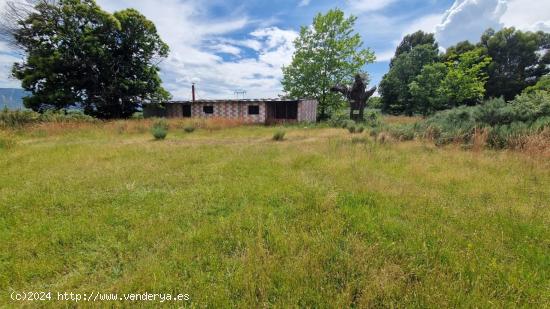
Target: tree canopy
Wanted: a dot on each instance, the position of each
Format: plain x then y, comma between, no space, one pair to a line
394,87
329,52
79,55
411,41
519,60
502,64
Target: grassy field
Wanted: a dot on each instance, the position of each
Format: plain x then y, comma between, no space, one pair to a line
235,219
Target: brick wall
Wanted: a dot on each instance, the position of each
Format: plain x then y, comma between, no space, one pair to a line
230,110
307,110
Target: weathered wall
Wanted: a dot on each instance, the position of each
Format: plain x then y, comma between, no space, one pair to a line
174,110
230,110
307,110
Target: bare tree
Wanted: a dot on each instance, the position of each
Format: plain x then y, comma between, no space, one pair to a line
357,95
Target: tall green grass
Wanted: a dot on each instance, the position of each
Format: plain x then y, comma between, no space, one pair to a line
236,220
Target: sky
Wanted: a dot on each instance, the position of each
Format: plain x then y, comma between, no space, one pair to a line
227,45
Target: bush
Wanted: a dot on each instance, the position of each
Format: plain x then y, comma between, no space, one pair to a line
338,119
347,124
360,129
160,129
373,118
352,129
402,132
279,135
137,115
506,123
17,119
189,129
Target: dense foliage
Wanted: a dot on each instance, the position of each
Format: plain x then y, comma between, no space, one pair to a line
502,64
503,123
459,81
328,53
394,87
519,60
80,55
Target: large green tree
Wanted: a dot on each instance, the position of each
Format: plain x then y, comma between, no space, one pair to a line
519,60
329,52
79,55
410,41
394,87
459,81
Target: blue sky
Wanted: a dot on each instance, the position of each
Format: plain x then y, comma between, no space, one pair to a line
225,45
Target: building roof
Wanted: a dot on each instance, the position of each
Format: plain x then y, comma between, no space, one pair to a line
233,101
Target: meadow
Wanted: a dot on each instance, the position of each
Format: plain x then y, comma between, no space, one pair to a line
233,218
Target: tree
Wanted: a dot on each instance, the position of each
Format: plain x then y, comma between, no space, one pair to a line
394,87
80,55
466,78
542,85
457,50
441,86
519,60
411,41
426,91
328,53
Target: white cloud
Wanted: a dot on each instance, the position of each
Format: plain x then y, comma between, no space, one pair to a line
468,19
426,23
369,5
385,55
198,43
304,3
528,15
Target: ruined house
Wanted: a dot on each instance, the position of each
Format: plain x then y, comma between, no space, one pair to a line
260,111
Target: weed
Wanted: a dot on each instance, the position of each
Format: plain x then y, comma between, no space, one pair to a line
279,135
160,129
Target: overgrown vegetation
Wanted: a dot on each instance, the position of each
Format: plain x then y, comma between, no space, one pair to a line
502,64
19,118
322,220
498,124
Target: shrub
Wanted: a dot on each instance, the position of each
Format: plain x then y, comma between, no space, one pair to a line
373,118
189,129
338,119
137,115
360,129
402,132
352,129
279,135
17,119
348,123
160,129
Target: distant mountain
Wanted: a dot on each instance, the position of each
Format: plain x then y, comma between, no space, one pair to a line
12,98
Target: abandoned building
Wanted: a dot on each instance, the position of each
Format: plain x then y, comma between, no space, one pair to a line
265,111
